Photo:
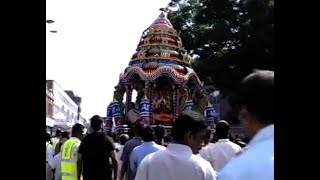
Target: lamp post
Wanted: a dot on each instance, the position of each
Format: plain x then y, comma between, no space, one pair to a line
49,21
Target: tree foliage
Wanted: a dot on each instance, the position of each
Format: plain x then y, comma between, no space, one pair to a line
228,38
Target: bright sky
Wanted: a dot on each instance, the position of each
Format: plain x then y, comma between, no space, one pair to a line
94,43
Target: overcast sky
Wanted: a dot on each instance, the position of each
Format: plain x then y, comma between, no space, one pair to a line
94,43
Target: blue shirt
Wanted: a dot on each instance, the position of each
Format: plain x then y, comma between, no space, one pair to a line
125,156
142,151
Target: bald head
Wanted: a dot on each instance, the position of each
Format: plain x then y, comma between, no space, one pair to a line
123,138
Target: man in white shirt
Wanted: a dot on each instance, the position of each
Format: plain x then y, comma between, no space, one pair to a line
204,151
56,164
223,150
178,161
256,97
123,138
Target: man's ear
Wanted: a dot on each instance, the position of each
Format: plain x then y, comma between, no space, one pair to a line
188,136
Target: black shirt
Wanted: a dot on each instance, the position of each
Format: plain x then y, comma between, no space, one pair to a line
96,151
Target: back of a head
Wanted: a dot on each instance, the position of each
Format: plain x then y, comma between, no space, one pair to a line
96,123
77,129
137,127
222,129
188,121
123,138
256,93
147,134
58,133
167,139
48,137
159,131
65,134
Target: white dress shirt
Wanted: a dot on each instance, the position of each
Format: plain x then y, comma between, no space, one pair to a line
256,162
118,156
205,152
49,160
221,152
57,166
177,162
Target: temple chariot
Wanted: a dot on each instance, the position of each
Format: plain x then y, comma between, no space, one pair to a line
160,72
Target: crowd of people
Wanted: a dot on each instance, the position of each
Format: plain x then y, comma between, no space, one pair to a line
190,152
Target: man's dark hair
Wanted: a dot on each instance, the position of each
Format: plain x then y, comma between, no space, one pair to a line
147,134
256,93
137,127
222,129
96,122
48,137
58,133
76,129
159,131
188,121
167,139
65,134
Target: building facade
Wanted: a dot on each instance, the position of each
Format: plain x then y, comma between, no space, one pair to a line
65,110
49,103
76,99
49,110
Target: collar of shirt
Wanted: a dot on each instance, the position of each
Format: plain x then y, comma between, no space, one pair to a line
223,140
180,148
149,143
263,134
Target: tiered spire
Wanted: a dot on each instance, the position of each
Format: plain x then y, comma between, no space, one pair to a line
161,42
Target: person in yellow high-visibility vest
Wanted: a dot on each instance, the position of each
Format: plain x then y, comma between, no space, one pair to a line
71,166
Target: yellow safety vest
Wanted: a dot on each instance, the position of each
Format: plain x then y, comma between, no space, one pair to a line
69,160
